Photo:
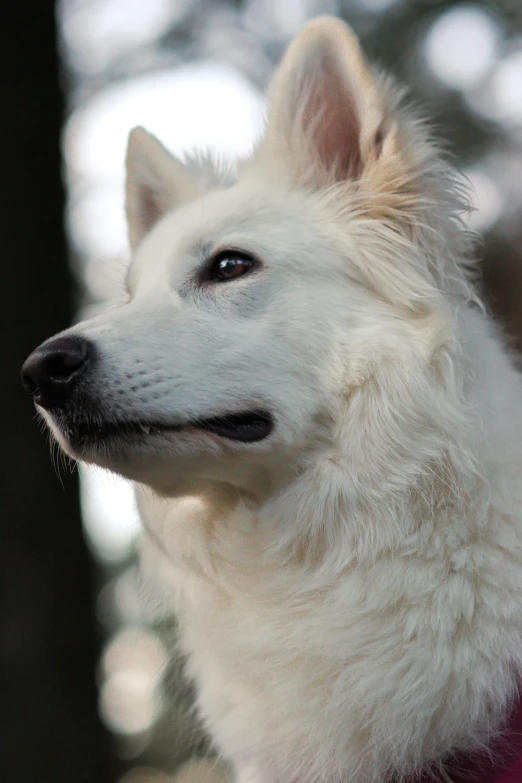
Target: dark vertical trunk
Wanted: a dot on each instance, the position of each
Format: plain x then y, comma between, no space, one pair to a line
49,730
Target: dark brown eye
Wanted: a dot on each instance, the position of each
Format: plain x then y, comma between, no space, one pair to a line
230,264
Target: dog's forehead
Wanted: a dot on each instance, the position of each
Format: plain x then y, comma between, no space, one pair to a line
260,219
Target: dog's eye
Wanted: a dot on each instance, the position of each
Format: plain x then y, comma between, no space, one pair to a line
230,264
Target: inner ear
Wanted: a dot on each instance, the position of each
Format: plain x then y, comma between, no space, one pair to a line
153,207
330,121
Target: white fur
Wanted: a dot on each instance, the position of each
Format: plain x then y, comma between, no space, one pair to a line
349,589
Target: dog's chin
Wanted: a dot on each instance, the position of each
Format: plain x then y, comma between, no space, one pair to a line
111,443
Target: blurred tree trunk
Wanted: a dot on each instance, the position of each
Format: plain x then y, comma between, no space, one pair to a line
49,730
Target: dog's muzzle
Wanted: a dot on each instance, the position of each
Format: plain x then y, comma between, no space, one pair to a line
60,374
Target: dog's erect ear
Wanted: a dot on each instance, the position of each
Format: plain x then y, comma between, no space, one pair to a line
156,183
326,118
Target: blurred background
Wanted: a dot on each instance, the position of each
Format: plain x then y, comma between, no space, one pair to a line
90,691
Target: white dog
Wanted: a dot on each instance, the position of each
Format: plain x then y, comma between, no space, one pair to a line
325,431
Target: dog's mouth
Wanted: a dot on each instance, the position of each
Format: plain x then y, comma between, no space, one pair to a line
246,427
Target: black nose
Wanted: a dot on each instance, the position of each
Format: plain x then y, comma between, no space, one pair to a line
51,372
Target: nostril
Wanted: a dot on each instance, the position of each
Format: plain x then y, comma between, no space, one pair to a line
62,363
29,384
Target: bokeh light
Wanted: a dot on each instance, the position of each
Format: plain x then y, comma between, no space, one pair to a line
132,666
99,33
109,513
506,87
485,196
461,46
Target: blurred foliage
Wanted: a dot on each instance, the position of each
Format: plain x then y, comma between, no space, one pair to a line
252,34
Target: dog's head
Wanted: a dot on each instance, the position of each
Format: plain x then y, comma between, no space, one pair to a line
259,311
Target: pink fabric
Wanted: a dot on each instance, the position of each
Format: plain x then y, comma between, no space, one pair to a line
513,775
503,764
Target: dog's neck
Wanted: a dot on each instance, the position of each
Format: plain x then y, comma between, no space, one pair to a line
324,528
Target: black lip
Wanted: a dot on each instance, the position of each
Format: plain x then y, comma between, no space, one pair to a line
105,430
246,427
